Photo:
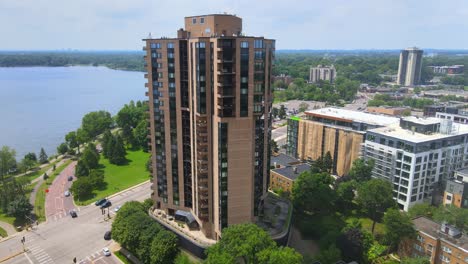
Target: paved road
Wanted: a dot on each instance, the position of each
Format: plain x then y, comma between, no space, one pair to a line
56,204
60,240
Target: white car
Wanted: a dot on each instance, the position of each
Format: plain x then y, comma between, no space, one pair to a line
67,193
106,251
116,209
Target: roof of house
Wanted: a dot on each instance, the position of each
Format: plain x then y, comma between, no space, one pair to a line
283,160
289,172
432,229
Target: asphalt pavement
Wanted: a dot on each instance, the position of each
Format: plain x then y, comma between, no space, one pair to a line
56,204
61,240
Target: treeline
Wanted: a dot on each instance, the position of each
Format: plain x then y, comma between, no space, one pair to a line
343,89
386,100
132,61
445,60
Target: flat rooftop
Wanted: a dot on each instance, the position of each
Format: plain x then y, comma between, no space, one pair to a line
396,131
422,121
353,116
289,173
432,228
283,160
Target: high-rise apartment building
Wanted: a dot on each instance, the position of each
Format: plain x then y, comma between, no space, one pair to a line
324,73
409,68
210,102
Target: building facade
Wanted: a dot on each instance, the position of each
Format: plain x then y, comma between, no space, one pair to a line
338,131
409,68
456,190
417,156
322,73
440,243
210,102
283,178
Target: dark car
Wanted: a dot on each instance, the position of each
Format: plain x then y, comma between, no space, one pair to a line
100,202
106,204
73,213
70,178
107,235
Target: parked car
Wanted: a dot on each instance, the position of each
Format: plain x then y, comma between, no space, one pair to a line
107,235
73,213
70,178
100,202
106,252
67,193
117,208
106,204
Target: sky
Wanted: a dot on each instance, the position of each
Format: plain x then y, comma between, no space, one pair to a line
295,24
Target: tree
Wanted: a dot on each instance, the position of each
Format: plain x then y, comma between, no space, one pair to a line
31,156
312,192
82,188
240,241
303,107
20,207
147,203
7,161
279,256
398,226
327,162
361,170
43,156
422,209
354,243
164,248
140,135
282,112
453,215
81,137
95,123
118,152
81,169
345,195
184,259
96,177
90,157
273,146
62,148
329,255
375,197
274,112
72,140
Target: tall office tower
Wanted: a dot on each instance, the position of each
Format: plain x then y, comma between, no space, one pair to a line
325,73
210,102
409,68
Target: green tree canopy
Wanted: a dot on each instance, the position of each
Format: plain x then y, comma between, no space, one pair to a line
453,215
375,197
279,256
398,226
62,148
361,170
82,188
164,248
43,156
95,123
20,207
312,192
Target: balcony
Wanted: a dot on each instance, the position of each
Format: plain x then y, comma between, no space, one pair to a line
202,142
226,71
227,60
144,48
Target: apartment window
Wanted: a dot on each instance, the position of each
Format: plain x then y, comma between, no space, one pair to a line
259,55
159,65
429,248
170,45
244,44
418,248
171,75
171,85
447,249
170,65
194,20
444,258
170,55
420,238
155,45
201,45
160,74
258,44
202,20
244,79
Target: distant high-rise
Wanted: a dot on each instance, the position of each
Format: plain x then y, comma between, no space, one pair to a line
409,69
324,73
210,103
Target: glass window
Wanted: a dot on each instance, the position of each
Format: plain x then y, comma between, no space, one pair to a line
202,20
201,45
170,45
258,43
244,44
170,55
160,74
194,20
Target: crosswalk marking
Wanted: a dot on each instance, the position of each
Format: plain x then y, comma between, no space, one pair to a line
40,254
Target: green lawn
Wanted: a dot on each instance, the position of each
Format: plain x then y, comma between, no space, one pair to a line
3,233
123,258
7,219
119,178
39,204
367,225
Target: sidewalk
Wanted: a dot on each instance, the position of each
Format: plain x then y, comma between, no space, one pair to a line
41,166
8,228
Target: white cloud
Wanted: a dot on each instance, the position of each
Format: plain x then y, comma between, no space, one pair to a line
296,24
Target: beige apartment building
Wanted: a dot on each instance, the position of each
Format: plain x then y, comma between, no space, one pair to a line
210,102
409,67
322,73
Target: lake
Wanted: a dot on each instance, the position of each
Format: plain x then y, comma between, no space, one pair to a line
39,105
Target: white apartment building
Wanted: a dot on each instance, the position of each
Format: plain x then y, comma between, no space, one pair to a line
417,156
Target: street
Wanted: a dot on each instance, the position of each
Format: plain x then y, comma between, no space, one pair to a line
57,205
62,239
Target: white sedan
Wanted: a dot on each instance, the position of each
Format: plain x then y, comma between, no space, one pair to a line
106,251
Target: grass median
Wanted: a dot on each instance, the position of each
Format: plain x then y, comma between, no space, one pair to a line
3,232
121,177
39,204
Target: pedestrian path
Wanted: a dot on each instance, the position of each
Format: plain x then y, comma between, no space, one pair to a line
40,255
8,228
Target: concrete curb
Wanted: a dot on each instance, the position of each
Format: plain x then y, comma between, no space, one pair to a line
11,256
